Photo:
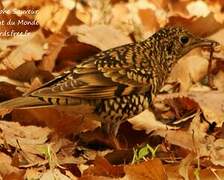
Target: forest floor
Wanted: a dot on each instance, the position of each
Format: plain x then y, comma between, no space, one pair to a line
181,138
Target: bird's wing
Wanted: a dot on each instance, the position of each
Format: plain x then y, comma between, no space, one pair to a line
100,76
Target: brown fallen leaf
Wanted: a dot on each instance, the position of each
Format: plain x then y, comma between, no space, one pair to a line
210,102
53,174
211,173
147,121
52,17
6,169
7,44
218,81
25,142
17,176
151,170
149,20
101,36
28,51
33,145
161,4
83,13
193,139
218,36
138,18
32,173
64,120
179,138
178,8
217,152
25,72
90,177
55,43
198,8
72,53
209,24
185,165
197,141
28,3
121,19
8,89
190,69
103,168
171,170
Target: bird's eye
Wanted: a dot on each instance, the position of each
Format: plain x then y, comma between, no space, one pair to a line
184,39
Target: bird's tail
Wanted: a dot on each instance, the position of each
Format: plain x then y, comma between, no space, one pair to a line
22,102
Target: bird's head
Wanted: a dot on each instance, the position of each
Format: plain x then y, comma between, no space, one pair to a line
177,41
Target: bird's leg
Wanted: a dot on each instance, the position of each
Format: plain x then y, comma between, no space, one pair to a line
111,130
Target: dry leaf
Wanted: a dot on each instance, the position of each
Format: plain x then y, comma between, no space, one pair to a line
121,18
64,120
209,24
29,3
190,69
211,173
26,140
210,102
102,36
198,8
24,73
149,20
16,41
178,8
218,81
32,173
179,138
171,170
8,89
217,152
53,174
147,121
52,17
54,43
108,24
151,170
103,168
5,166
72,53
185,165
28,51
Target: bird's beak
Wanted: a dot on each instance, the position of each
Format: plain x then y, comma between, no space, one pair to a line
200,42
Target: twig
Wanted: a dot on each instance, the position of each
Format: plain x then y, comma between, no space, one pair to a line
210,77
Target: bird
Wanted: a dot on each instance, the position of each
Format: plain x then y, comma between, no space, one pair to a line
119,82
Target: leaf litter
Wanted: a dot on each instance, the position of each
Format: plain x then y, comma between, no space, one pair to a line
184,128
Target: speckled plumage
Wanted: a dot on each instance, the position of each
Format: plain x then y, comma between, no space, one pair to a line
118,82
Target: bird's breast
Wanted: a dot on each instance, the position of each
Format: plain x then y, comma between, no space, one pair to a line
123,107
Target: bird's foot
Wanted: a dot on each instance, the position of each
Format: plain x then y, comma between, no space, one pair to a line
116,143
99,138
